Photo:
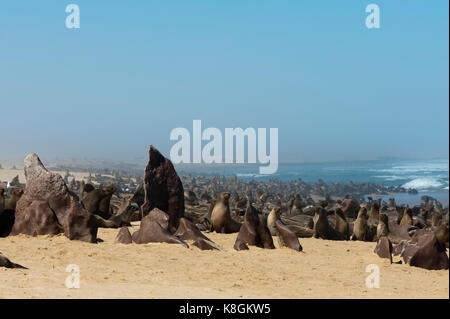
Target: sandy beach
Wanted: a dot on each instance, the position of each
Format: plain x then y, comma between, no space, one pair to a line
326,269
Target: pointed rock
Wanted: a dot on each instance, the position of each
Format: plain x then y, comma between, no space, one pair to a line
124,236
48,207
163,188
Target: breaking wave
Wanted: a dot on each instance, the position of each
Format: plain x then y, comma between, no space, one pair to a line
424,183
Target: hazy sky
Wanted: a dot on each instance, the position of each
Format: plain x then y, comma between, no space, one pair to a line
137,69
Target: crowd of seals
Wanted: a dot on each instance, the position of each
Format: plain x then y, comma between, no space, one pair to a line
176,210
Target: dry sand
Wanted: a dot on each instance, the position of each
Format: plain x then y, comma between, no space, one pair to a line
326,269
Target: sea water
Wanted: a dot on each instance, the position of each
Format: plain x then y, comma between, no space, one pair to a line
428,177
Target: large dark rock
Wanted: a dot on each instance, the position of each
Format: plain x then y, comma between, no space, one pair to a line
47,207
188,231
424,251
253,231
384,248
163,188
154,229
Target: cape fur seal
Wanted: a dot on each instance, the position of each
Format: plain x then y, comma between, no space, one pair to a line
383,226
253,231
407,219
221,220
287,238
374,208
322,228
341,224
2,200
5,262
360,228
274,215
11,203
96,201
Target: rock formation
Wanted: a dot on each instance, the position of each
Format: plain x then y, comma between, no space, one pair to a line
47,207
163,188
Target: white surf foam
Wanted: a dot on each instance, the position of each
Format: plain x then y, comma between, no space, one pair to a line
423,183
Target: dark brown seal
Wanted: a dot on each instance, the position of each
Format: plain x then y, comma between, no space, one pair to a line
5,262
322,228
286,237
253,231
341,224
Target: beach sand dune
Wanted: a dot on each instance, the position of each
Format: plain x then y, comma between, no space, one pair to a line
326,269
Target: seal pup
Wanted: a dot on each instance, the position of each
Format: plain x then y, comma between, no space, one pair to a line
322,228
221,220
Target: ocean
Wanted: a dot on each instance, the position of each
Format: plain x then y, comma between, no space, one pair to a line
428,177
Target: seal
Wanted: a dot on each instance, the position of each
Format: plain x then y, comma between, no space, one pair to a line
374,208
322,228
12,202
407,219
2,200
221,220
7,211
286,237
96,201
253,232
5,262
341,224
383,226
274,215
360,228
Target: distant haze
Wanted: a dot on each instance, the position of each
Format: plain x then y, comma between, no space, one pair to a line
137,69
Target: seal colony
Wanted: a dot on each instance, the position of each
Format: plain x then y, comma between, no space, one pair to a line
168,213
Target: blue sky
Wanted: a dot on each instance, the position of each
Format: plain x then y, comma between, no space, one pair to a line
137,69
